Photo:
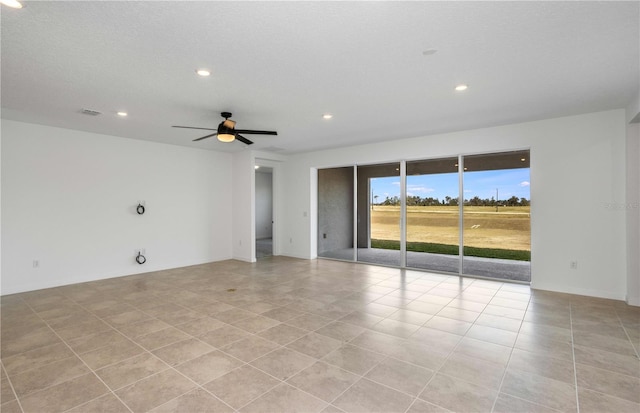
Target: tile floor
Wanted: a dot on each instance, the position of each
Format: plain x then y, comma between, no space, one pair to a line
288,335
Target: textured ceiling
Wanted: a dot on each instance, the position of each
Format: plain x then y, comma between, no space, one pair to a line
281,65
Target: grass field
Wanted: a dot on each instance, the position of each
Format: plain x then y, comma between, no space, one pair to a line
484,228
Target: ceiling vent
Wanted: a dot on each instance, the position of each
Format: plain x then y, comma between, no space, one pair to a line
90,112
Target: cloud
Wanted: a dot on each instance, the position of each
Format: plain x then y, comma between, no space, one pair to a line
524,183
419,189
395,183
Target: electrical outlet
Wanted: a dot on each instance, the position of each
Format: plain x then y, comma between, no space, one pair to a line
324,236
573,265
290,240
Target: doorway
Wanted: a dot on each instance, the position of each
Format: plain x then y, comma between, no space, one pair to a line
264,211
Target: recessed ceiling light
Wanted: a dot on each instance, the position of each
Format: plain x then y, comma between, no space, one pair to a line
12,3
429,52
203,72
327,116
123,114
460,88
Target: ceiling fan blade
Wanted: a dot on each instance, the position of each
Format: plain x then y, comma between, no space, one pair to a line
192,127
256,132
244,140
205,137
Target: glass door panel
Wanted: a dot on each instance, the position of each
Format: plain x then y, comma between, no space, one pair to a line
497,218
335,213
433,218
379,214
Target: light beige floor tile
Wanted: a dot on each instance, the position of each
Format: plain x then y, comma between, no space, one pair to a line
472,370
31,341
315,345
410,317
378,342
608,382
367,396
420,406
282,314
615,362
140,329
10,407
7,392
130,370
504,312
545,346
128,317
458,395
602,342
448,324
340,331
104,404
503,323
323,381
483,350
233,315
510,404
256,324
540,390
181,351
155,390
200,326
595,402
196,400
282,334
250,348
283,363
95,341
285,399
242,385
553,368
45,376
36,358
459,314
223,336
395,328
65,395
361,319
407,378
309,322
161,338
354,359
111,354
492,335
437,340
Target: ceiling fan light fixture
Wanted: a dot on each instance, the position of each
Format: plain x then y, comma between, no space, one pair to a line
226,137
15,4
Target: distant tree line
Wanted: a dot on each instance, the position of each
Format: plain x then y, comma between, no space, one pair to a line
475,201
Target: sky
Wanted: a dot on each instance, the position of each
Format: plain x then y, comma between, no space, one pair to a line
509,182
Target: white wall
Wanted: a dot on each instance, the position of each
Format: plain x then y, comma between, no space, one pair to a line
264,205
577,173
69,198
632,208
243,201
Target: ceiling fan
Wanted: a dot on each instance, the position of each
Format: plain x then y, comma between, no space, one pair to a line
227,132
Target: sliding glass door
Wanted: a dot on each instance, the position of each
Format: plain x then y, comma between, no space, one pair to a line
379,209
464,215
433,215
497,216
